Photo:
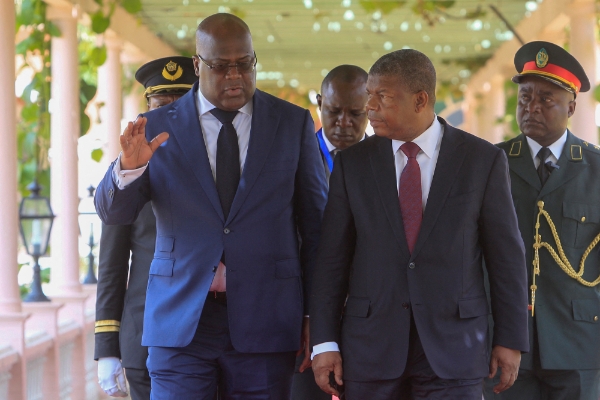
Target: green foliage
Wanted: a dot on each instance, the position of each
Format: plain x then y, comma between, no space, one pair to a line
100,22
385,7
97,154
33,128
597,93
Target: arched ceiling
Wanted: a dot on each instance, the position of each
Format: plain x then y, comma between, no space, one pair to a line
298,41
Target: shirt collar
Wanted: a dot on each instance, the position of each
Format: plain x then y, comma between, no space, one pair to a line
556,148
205,106
331,147
427,140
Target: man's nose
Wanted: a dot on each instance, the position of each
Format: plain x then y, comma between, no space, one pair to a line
232,72
344,119
370,104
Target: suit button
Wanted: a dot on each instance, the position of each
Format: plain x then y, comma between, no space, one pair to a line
582,219
405,306
411,265
226,231
111,192
595,318
214,269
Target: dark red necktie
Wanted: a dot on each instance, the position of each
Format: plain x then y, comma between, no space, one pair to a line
410,195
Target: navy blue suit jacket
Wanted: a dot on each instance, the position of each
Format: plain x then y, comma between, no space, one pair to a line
281,196
367,278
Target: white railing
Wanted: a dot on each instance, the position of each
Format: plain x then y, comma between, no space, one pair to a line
54,357
35,378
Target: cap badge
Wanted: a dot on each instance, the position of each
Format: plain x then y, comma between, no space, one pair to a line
541,59
168,70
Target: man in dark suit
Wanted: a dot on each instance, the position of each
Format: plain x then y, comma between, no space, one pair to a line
238,178
121,291
342,103
399,287
553,170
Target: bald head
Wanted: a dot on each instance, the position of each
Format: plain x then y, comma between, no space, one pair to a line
348,74
225,61
342,103
219,26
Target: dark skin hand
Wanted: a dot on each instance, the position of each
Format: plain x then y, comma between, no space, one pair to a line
507,359
325,363
543,110
304,345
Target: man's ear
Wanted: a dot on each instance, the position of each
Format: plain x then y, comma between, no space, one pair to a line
319,100
571,110
421,100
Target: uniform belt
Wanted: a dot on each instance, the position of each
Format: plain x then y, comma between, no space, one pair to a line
217,297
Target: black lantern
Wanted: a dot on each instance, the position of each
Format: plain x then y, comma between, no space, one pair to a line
89,226
35,219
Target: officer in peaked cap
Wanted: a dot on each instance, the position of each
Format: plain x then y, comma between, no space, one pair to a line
166,79
120,303
554,171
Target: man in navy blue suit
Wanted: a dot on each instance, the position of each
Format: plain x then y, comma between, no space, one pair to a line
233,175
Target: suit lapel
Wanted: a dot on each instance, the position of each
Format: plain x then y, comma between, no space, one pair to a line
265,121
186,129
384,171
450,159
521,163
571,164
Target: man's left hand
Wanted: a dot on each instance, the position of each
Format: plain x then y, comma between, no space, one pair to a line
305,345
507,359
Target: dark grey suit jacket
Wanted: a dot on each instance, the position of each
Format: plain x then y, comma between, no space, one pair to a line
363,254
119,298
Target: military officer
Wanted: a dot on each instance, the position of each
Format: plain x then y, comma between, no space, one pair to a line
120,301
555,182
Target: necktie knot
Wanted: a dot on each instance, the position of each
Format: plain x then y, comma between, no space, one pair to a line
223,116
410,149
543,154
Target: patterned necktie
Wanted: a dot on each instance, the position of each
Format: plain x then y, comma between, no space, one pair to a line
410,195
228,159
542,170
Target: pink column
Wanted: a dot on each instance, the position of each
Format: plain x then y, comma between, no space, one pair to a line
10,300
64,134
12,319
109,80
583,47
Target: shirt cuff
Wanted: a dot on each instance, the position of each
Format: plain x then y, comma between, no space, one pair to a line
324,347
125,177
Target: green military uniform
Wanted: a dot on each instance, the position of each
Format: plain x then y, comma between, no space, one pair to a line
564,330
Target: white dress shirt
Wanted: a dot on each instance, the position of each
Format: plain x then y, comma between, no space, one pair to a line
556,149
210,132
430,142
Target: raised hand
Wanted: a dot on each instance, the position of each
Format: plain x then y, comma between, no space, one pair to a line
136,150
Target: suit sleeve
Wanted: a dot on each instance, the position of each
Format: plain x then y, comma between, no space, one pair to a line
121,206
504,254
310,198
335,254
113,270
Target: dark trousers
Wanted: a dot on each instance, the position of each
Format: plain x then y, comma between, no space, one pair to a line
194,372
547,384
304,386
418,382
139,383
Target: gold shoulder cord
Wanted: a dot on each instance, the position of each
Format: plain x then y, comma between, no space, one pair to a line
560,258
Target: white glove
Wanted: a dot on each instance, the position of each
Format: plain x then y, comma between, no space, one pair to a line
111,377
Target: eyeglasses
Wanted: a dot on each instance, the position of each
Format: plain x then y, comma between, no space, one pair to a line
242,67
